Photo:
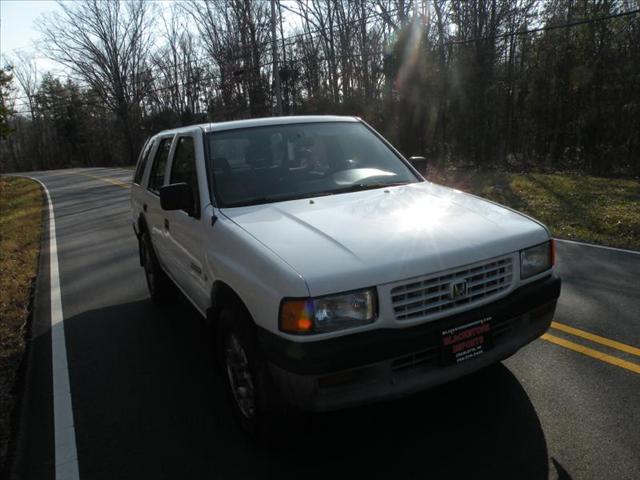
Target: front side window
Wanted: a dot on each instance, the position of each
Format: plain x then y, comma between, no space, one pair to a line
283,162
156,179
142,163
183,169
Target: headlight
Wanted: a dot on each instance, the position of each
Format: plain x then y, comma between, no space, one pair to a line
326,314
536,259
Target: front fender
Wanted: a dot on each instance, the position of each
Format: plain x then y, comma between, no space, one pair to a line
255,273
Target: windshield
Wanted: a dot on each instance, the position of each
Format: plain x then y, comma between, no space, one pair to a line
283,162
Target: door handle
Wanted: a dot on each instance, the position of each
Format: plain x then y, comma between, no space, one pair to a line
166,224
144,207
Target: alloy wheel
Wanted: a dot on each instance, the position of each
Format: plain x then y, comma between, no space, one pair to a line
240,377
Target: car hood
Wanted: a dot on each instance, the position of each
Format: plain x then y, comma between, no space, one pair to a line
353,240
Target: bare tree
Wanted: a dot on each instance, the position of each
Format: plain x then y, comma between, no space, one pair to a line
106,44
500,83
26,73
179,79
235,34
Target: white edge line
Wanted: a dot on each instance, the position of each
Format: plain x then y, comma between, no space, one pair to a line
604,247
66,456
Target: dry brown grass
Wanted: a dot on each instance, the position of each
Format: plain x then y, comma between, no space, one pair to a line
574,206
20,229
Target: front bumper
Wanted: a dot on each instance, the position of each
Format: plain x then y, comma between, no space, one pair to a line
389,363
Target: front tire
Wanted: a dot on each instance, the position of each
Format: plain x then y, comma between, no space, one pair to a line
257,404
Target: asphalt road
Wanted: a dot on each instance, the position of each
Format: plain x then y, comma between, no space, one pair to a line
147,399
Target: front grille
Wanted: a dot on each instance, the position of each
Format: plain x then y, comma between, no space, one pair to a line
423,358
432,295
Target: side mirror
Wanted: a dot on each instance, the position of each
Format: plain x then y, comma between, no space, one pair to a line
419,163
177,196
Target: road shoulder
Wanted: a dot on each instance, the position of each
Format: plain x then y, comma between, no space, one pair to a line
24,209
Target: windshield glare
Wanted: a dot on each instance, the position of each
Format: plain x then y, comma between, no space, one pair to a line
284,162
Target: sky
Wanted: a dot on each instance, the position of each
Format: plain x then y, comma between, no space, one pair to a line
19,34
17,27
18,31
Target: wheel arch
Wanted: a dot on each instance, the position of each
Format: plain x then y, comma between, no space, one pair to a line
141,225
222,295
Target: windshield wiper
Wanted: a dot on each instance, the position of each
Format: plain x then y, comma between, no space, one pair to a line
356,188
369,186
351,188
255,201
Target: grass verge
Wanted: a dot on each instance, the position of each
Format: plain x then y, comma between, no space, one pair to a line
20,230
598,210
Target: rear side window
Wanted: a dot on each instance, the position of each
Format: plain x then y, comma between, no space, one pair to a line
156,179
142,163
183,168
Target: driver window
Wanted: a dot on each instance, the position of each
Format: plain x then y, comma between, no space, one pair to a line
183,169
156,179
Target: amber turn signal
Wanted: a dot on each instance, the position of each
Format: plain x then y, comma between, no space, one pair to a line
296,316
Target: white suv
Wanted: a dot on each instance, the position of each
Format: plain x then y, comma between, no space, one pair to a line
333,272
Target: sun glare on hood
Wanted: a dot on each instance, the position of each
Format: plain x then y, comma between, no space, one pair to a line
421,213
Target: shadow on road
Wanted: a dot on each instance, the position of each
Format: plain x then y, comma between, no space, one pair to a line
149,404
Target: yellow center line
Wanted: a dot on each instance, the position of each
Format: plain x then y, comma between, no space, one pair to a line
596,338
590,352
112,181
